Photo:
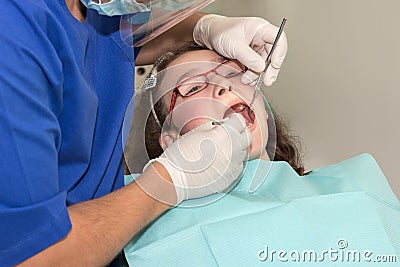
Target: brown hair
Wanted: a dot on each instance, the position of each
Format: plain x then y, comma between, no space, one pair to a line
286,146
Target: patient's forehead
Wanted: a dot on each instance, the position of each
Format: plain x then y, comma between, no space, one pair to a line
197,55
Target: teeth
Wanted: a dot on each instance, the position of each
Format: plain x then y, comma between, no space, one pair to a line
242,107
244,110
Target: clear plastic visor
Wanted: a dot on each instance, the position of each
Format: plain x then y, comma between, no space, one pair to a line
139,28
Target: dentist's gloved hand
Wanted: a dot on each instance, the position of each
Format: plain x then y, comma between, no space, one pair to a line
208,159
247,39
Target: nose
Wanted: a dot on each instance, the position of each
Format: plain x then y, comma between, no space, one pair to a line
219,91
219,84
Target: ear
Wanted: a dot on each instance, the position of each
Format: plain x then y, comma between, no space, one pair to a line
167,138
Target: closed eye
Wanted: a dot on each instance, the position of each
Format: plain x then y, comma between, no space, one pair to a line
233,73
194,89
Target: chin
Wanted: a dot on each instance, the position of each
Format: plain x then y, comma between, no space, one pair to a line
258,152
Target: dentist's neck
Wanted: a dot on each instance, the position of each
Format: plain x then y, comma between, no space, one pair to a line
77,9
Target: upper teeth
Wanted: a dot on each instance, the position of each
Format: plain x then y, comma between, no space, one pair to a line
241,107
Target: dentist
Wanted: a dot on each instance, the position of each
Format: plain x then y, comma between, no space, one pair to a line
66,78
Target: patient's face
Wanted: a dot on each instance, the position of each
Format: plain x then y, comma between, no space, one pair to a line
217,101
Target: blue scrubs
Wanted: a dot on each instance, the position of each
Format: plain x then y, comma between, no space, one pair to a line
64,89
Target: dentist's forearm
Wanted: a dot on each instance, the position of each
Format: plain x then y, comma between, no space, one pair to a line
103,226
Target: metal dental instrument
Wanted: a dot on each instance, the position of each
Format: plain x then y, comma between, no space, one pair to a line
267,62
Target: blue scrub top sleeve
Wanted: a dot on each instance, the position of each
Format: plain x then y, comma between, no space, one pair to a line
33,213
27,230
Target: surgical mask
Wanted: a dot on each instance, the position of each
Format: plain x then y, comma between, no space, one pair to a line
117,7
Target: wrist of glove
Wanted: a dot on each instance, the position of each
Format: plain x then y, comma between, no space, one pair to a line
247,39
207,160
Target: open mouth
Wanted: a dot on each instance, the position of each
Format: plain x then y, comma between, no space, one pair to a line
243,110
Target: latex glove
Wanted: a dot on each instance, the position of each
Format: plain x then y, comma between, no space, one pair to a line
247,39
208,159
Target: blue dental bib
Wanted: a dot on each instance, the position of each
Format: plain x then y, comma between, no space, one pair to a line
339,215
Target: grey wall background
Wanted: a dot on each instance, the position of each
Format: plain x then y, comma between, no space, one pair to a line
339,87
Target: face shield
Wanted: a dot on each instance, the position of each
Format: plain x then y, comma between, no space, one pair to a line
139,28
152,119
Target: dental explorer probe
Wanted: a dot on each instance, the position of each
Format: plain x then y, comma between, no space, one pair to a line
257,87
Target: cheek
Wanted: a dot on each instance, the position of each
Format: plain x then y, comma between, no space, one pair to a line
260,135
258,144
191,125
187,115
192,112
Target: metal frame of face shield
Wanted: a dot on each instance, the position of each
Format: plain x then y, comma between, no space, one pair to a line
140,28
135,150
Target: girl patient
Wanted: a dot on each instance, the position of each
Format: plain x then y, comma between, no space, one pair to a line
274,207
200,85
